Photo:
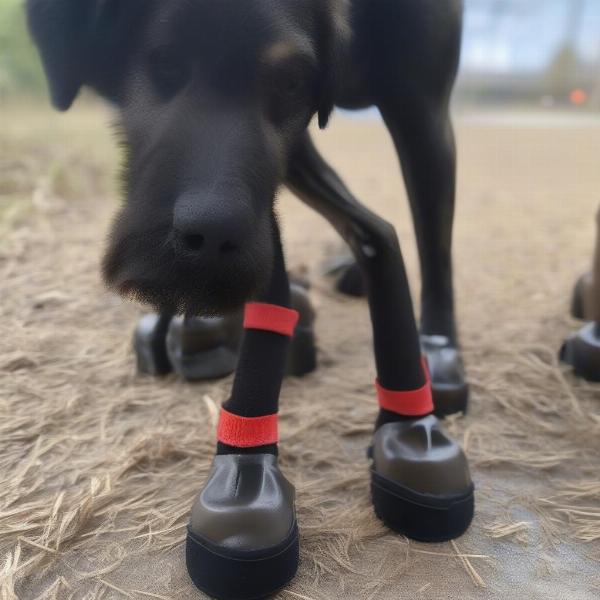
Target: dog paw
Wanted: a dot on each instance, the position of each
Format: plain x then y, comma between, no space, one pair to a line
348,276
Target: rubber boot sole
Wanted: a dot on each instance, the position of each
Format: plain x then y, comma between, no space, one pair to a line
421,517
241,575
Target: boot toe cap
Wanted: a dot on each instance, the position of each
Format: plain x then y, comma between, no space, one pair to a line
247,505
420,456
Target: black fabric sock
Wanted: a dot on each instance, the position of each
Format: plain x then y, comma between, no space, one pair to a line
256,389
226,449
261,363
387,416
395,335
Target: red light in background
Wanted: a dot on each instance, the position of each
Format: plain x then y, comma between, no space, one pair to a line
578,97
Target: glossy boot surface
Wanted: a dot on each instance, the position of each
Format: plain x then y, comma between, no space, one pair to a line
448,379
582,352
420,481
149,345
203,348
242,538
582,300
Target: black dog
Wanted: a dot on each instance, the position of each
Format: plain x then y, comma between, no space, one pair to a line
214,99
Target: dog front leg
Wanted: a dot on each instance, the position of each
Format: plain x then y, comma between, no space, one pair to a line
243,537
269,325
420,478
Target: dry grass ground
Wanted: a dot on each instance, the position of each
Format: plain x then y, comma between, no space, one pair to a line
98,467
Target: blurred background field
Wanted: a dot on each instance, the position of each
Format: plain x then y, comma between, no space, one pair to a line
98,467
20,72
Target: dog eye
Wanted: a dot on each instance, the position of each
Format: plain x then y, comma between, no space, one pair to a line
169,70
290,86
289,96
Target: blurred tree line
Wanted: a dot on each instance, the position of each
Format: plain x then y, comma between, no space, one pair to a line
20,70
21,73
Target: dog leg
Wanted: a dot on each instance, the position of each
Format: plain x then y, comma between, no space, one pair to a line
424,138
420,478
243,537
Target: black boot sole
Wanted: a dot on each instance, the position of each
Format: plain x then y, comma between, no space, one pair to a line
421,517
244,575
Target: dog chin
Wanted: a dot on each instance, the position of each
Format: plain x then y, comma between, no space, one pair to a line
186,290
218,300
182,286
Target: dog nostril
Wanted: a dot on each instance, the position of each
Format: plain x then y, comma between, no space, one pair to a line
227,247
193,242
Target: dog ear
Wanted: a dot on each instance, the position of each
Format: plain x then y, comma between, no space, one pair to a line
60,30
68,34
325,106
334,37
327,51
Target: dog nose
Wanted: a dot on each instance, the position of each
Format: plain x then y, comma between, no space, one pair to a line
211,225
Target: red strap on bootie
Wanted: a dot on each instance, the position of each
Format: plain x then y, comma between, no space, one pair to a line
409,403
270,317
247,432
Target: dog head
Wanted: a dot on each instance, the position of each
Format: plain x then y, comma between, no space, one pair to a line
211,95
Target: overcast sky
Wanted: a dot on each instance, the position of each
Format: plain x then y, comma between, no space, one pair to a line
523,35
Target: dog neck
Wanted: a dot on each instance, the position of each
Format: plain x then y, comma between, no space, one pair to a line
340,9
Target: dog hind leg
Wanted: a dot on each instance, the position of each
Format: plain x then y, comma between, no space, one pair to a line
422,133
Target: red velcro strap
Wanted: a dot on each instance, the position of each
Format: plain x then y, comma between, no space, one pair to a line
247,432
410,403
270,317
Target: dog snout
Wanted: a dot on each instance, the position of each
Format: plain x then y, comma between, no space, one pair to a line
211,225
